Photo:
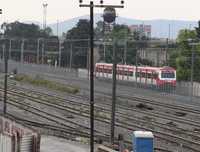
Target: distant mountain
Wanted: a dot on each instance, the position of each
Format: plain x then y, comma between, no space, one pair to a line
160,27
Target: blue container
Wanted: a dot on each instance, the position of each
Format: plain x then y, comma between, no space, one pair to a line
143,141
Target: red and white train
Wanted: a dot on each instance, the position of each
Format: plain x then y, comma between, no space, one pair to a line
158,76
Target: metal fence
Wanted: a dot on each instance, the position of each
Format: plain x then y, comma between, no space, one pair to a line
73,54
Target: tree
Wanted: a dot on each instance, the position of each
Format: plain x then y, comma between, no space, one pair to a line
22,30
181,59
78,36
126,40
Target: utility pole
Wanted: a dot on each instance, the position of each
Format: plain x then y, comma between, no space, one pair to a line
192,72
43,52
192,43
10,48
91,6
22,51
71,56
57,27
125,47
104,50
169,32
166,51
38,50
136,64
5,78
113,92
3,53
60,53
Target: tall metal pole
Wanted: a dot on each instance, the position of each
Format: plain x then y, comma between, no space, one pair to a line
113,93
43,52
91,5
167,49
10,48
104,50
5,80
192,72
57,27
38,50
136,64
22,51
3,53
71,55
125,47
91,77
60,53
88,59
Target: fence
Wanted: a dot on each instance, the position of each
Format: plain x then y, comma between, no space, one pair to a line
74,54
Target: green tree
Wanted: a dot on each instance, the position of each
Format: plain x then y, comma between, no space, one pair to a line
181,59
126,40
78,36
22,30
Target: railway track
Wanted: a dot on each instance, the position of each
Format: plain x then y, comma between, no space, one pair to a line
125,126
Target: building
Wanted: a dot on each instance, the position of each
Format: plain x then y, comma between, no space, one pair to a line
144,30
158,56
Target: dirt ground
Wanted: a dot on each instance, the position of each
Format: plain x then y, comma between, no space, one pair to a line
54,144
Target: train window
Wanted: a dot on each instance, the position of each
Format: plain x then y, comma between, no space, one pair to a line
167,75
155,75
149,75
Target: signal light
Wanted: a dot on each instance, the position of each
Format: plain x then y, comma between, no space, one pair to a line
0,11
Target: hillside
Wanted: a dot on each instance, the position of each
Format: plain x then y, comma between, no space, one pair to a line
160,27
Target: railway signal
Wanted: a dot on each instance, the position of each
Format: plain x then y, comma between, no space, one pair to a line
91,5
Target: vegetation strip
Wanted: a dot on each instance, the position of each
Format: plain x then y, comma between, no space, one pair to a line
39,81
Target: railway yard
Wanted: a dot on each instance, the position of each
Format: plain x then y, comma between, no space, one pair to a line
174,122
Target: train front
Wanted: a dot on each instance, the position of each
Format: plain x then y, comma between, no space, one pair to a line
167,77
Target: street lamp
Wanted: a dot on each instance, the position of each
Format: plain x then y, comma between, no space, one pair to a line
91,5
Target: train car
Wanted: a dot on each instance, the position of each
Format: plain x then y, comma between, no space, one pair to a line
143,141
158,76
15,137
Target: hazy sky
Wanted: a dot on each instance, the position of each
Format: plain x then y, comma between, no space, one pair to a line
32,10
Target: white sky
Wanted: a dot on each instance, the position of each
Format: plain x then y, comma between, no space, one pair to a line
32,10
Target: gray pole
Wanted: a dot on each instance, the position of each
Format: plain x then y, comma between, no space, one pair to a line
104,51
5,80
71,56
10,48
88,59
22,51
57,27
125,50
192,72
113,93
167,49
136,65
59,53
43,52
92,76
38,50
3,51
169,34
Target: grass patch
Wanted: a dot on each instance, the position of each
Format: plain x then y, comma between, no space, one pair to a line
39,81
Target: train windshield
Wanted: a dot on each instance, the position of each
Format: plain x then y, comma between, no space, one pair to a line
167,75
